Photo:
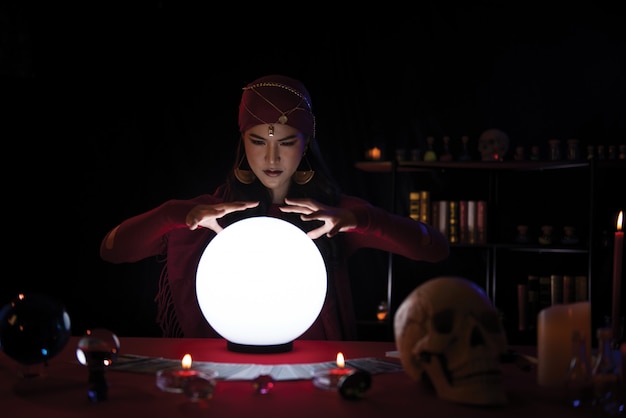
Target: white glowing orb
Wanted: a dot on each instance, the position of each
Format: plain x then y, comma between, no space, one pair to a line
261,282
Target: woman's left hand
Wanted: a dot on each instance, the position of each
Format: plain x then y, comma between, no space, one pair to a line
335,219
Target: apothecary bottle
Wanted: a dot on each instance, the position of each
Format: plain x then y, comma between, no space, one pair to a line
578,384
608,390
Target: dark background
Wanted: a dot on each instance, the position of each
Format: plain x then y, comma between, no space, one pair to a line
112,108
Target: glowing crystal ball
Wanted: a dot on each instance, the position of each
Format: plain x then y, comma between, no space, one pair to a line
261,282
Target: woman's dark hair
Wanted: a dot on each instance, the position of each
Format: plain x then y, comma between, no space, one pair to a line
322,188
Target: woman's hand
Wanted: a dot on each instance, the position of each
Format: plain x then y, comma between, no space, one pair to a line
335,219
206,216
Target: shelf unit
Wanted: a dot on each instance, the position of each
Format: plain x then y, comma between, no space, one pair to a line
559,193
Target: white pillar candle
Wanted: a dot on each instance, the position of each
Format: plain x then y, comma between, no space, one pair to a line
554,339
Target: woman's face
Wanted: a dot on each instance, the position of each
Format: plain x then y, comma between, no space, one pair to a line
274,159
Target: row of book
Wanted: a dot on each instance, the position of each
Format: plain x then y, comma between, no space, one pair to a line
462,221
542,291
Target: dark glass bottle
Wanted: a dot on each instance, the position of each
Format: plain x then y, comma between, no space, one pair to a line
608,389
578,383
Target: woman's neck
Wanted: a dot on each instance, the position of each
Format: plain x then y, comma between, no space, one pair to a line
278,198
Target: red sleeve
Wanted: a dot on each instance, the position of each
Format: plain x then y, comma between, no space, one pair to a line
402,235
144,235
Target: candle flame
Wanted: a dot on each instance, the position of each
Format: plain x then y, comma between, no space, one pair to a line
186,362
340,360
619,220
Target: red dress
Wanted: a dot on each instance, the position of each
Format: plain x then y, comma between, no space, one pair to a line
161,232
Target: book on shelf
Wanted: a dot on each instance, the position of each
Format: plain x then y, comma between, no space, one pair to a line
463,231
425,206
419,205
414,205
556,289
545,292
569,289
471,222
434,214
580,289
443,216
542,291
562,288
453,222
462,221
522,307
533,299
481,222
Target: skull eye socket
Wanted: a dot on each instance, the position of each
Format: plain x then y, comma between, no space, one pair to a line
490,321
443,321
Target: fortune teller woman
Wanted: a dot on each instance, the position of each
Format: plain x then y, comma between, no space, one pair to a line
278,171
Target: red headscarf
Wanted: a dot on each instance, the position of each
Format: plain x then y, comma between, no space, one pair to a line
276,99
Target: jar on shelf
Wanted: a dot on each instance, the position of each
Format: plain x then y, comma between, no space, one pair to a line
555,149
522,236
573,152
569,235
546,235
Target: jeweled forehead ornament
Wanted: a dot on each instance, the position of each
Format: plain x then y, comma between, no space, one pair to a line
283,118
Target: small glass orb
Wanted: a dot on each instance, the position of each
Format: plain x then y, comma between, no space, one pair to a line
98,348
354,385
33,328
263,384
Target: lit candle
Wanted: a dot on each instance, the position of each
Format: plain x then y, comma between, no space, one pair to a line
185,364
383,310
174,380
330,379
618,251
375,153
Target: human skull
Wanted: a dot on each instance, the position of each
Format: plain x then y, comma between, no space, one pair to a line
493,145
447,331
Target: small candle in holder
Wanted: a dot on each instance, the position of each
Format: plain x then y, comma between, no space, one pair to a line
174,380
197,386
374,154
329,379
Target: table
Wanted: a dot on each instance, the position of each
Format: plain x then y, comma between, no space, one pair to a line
62,391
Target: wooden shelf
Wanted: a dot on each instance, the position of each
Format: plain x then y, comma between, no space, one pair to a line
577,194
408,166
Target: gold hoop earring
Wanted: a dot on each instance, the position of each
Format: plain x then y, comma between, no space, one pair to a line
302,177
244,176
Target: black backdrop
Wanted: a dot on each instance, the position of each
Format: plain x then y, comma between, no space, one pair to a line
113,108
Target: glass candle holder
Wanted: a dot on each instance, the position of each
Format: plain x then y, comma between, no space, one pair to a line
329,379
194,384
201,387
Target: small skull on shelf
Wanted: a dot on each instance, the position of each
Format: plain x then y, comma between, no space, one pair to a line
449,334
493,145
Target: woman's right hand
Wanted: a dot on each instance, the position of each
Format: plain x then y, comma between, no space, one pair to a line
206,216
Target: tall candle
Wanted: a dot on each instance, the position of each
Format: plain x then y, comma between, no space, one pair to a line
618,251
554,339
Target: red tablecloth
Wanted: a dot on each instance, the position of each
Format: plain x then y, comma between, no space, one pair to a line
62,392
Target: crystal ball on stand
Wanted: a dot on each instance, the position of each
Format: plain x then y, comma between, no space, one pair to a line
97,349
